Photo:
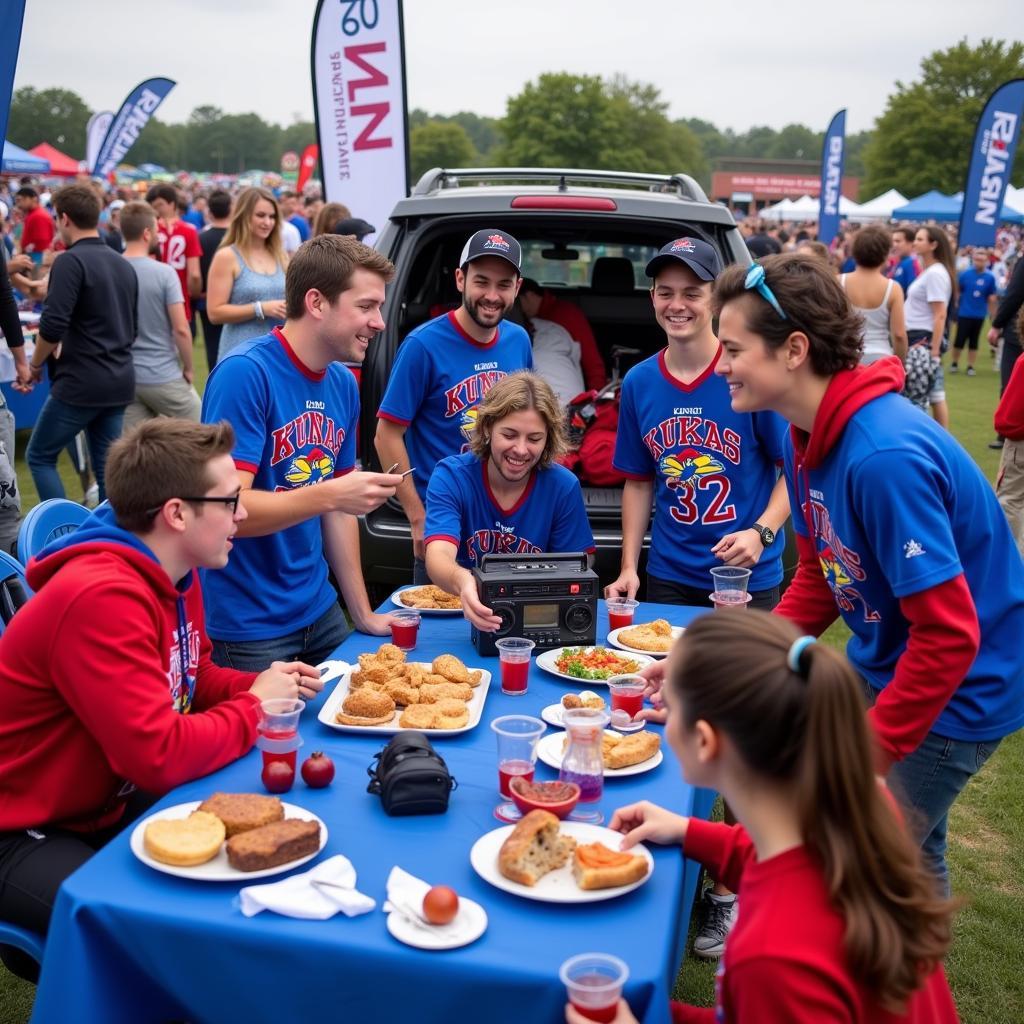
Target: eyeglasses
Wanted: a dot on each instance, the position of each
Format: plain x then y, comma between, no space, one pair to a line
755,281
231,501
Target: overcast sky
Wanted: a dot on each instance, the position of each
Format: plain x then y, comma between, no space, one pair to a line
736,63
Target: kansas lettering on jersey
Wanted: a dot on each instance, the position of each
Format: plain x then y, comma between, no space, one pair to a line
293,428
461,508
713,469
439,377
897,507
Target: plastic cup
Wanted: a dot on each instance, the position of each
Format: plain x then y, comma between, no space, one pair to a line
594,983
278,730
517,748
620,612
515,654
404,629
627,694
730,586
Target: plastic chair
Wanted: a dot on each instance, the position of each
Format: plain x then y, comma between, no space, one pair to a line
47,521
14,588
23,939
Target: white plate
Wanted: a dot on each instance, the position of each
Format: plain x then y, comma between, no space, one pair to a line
552,714
469,924
613,639
549,750
332,706
395,599
557,886
218,869
547,661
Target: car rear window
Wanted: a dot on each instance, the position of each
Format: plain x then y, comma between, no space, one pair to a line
574,264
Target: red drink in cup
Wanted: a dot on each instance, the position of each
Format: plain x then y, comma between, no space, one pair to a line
289,757
730,598
278,729
404,629
620,612
629,699
594,983
509,770
515,654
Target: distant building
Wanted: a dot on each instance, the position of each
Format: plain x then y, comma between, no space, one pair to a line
747,184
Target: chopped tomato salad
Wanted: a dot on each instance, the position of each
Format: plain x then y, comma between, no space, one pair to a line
594,663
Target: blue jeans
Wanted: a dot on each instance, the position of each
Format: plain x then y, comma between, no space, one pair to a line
927,782
419,572
58,423
313,644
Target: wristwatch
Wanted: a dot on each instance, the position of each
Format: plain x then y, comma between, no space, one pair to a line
766,534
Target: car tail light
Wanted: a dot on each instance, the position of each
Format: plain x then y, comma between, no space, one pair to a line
563,203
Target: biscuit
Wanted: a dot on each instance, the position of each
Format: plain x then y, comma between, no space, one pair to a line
451,668
450,714
366,707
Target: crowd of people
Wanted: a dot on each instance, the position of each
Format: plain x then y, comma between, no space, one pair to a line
792,390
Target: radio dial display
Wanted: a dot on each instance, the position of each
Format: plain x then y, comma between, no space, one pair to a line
540,616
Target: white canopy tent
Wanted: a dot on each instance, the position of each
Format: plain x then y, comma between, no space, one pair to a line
1014,198
779,212
881,207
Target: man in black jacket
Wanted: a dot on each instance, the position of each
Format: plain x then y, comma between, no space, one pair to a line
91,315
10,501
1004,325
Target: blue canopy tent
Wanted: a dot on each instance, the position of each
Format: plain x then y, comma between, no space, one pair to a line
936,206
17,161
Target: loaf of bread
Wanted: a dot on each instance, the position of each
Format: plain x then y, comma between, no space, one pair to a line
597,867
534,848
184,842
274,844
243,811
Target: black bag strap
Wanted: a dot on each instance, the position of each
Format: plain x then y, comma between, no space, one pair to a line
12,597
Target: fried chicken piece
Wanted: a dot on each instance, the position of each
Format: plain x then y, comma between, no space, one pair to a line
415,675
432,693
433,679
417,716
451,668
389,652
475,675
402,693
450,714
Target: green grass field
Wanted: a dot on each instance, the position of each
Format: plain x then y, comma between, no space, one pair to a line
987,825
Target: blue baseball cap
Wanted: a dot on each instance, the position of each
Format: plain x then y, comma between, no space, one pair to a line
700,257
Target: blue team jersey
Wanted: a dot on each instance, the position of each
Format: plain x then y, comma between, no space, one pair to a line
906,272
549,516
301,225
898,507
713,469
439,377
975,289
294,427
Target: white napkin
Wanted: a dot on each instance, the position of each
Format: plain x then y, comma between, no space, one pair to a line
405,897
315,895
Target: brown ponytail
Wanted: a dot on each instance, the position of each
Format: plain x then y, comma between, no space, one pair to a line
808,727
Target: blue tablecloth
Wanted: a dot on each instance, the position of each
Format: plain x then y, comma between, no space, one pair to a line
128,944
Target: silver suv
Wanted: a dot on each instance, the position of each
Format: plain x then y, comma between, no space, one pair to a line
586,237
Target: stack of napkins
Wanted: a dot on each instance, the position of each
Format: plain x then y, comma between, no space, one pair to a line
315,895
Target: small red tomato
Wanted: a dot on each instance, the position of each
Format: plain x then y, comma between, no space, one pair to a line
317,770
440,905
278,776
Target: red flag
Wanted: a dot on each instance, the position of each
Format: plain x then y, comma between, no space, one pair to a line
310,155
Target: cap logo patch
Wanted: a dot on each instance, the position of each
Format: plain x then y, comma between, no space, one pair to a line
682,245
496,242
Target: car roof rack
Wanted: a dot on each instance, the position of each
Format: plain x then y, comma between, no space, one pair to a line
438,178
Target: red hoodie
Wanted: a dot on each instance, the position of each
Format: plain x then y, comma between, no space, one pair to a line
88,672
1009,417
943,635
785,959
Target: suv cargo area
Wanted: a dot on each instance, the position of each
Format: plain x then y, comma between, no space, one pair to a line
586,237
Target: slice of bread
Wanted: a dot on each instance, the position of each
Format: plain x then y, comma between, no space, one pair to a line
243,811
632,749
274,844
595,866
534,848
184,842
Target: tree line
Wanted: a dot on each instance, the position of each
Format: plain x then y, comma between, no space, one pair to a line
920,141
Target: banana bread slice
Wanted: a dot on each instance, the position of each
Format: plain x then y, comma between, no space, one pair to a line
243,811
271,845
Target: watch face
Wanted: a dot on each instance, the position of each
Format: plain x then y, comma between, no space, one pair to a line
768,536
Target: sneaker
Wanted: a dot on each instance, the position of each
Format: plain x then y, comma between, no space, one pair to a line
92,496
953,368
717,916
971,372
996,444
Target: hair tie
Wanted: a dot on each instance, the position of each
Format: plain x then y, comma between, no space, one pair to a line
795,659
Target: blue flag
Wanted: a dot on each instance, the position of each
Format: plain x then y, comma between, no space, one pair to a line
129,121
832,153
995,145
10,41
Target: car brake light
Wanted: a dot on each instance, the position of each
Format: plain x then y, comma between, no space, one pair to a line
563,203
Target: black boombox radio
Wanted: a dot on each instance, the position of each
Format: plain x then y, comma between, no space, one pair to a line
550,599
